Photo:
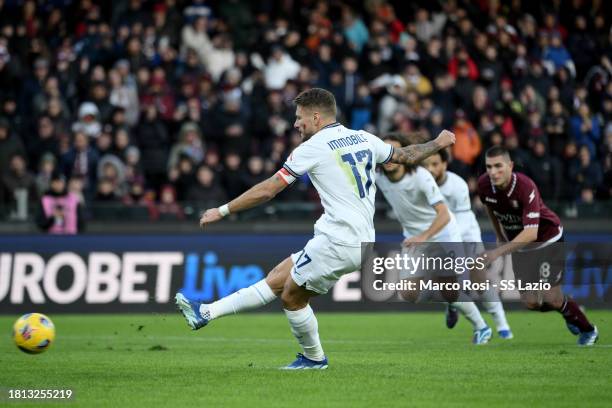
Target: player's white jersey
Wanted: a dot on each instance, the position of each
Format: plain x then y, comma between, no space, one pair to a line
341,164
412,199
457,195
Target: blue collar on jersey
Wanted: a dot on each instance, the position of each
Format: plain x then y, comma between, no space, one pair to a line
331,125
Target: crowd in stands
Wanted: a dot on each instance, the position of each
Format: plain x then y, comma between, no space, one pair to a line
156,103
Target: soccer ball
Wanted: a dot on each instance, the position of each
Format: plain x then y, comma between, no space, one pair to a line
33,333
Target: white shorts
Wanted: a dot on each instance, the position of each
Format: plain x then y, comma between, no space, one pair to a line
321,263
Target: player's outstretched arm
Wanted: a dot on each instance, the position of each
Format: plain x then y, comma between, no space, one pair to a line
414,154
258,194
499,232
441,220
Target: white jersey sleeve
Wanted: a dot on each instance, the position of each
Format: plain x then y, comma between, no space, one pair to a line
382,151
302,160
427,184
456,193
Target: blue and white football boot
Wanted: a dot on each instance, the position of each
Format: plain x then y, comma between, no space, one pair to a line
505,334
304,363
588,338
191,311
482,336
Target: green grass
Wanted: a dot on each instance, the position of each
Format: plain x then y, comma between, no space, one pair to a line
394,359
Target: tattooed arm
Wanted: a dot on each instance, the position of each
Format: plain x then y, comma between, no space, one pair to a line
414,154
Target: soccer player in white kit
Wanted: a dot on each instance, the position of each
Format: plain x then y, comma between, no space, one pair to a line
457,195
424,216
341,165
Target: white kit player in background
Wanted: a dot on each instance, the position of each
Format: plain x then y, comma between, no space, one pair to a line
424,216
457,195
341,165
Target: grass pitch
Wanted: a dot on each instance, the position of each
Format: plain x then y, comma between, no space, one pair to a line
376,360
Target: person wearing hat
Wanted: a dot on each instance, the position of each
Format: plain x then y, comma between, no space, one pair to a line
189,143
88,122
59,211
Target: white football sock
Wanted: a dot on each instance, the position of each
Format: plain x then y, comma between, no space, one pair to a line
496,309
305,328
256,295
471,312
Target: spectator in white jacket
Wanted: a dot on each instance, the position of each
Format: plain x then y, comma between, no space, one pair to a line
280,68
216,55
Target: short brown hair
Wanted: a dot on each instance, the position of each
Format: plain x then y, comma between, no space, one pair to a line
319,99
404,140
498,151
397,137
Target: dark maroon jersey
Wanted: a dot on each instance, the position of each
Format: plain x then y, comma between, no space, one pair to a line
520,206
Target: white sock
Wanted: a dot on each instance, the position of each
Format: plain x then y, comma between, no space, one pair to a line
256,295
471,312
496,309
305,328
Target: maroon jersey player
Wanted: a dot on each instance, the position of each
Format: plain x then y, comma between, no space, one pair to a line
522,220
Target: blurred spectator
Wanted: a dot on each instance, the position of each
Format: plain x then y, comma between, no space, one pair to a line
428,26
88,122
280,68
46,166
354,29
133,168
159,95
545,171
585,129
10,145
557,126
182,176
207,191
81,160
586,175
463,61
33,86
59,210
582,46
104,143
105,192
416,81
232,121
121,142
519,156
137,196
168,208
111,169
232,176
556,56
18,187
124,95
468,146
75,186
189,143
255,172
361,114
152,137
